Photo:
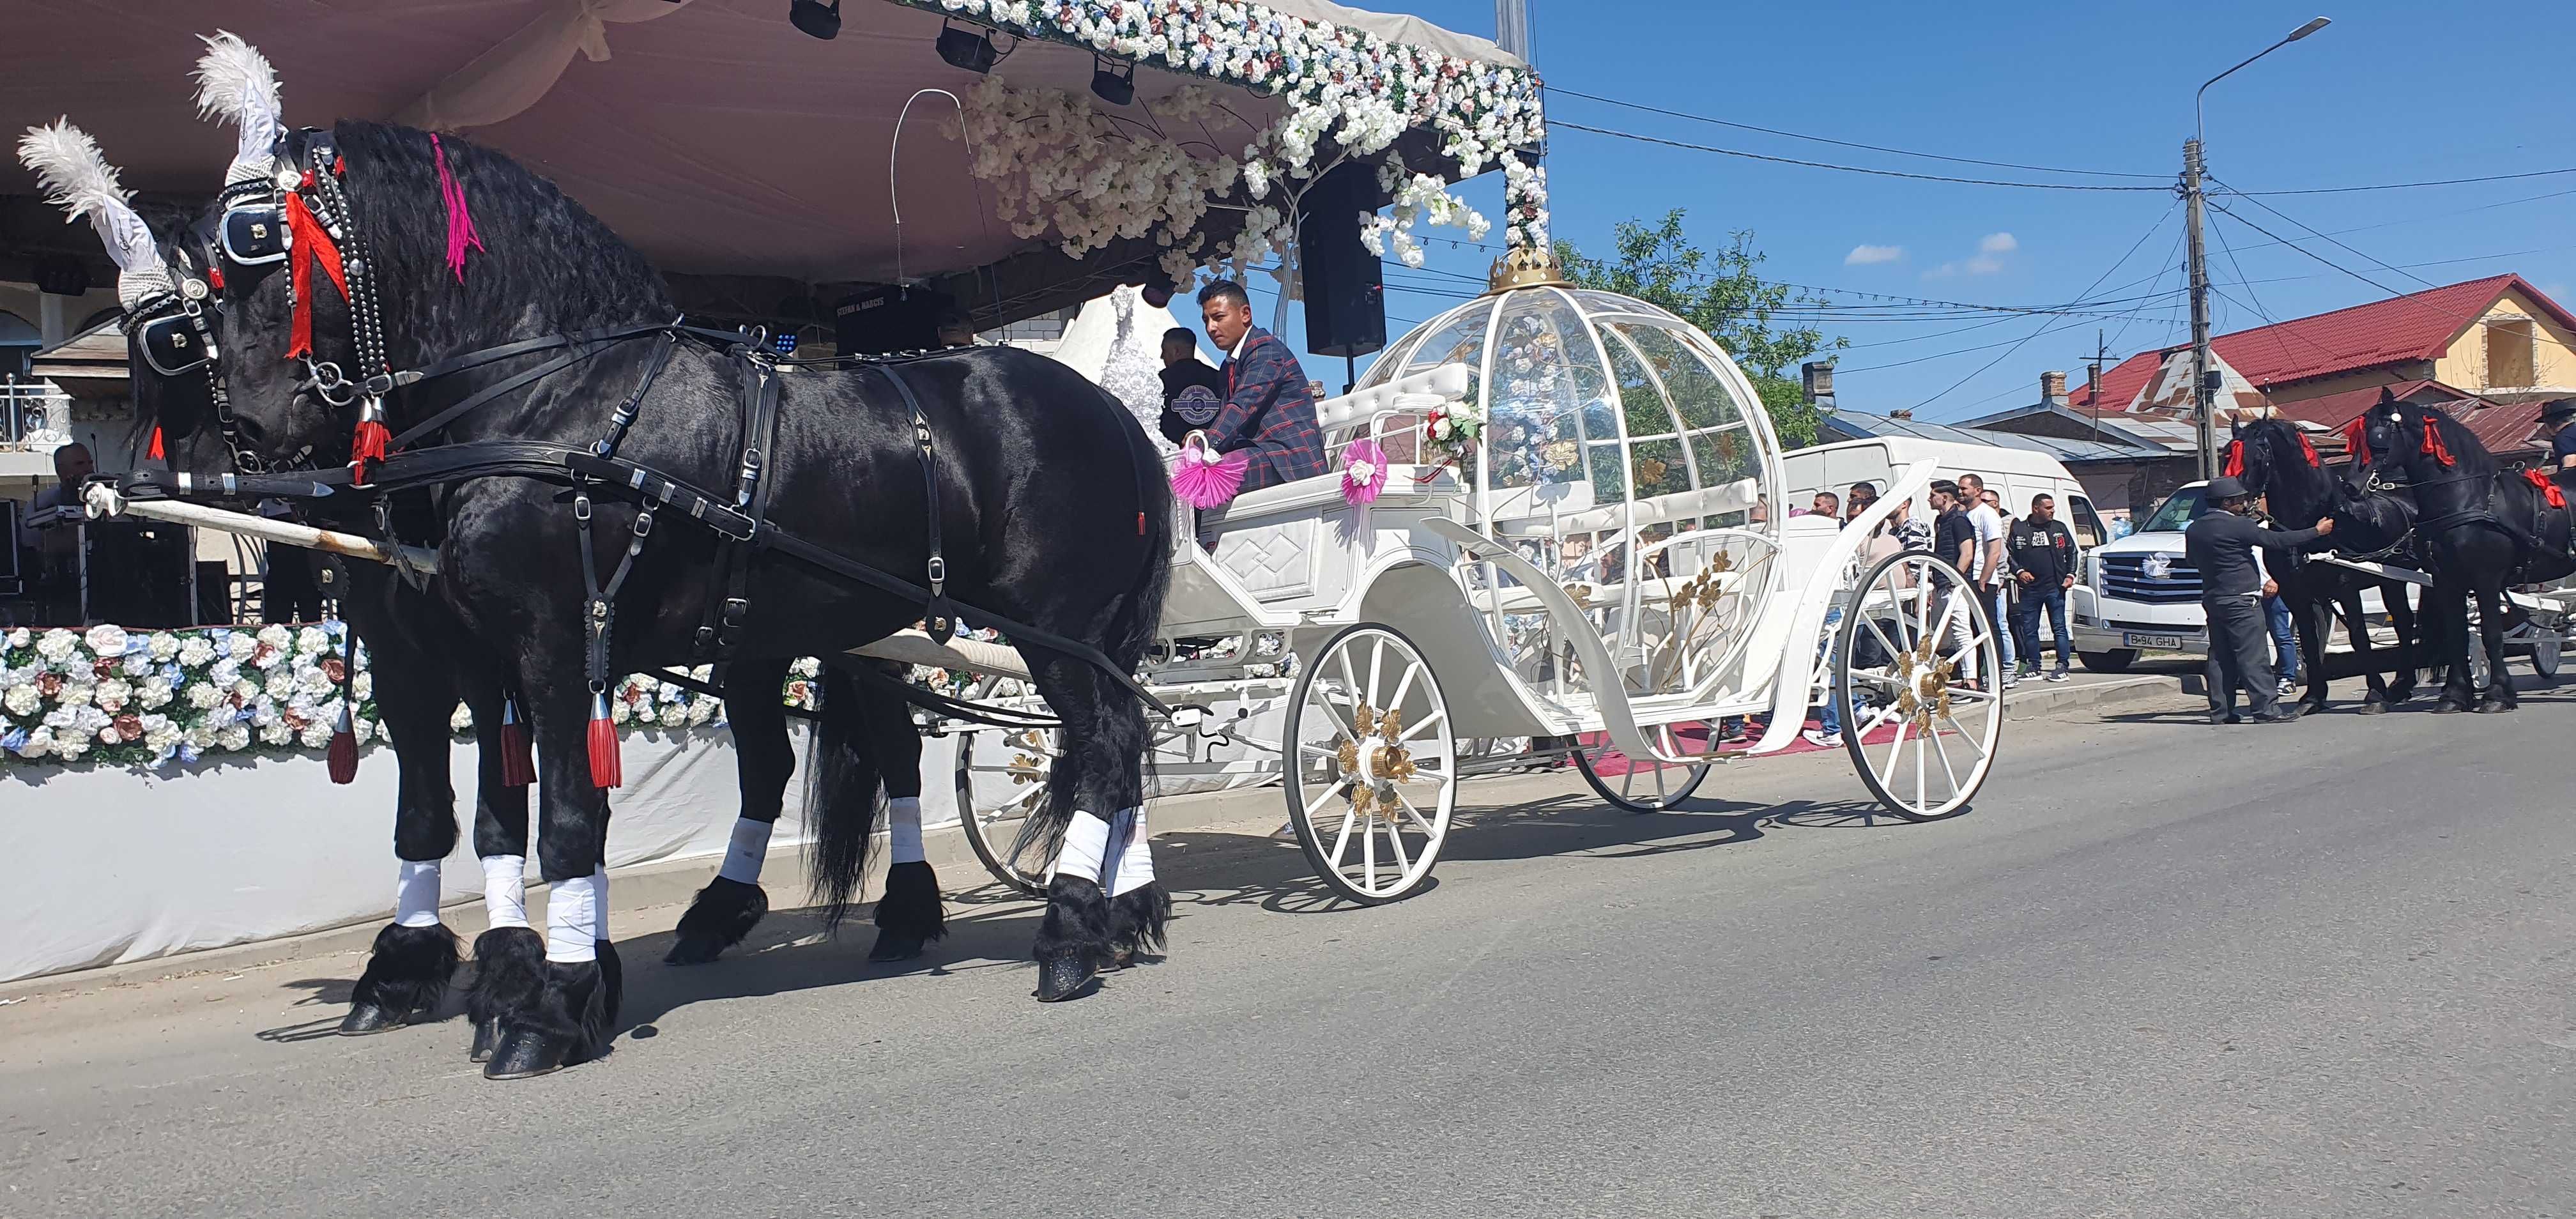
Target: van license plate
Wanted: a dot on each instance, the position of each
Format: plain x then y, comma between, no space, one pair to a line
2170,643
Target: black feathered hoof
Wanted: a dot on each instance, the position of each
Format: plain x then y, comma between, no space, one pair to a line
896,946
1066,975
1136,922
368,1018
723,913
2373,707
910,915
571,1021
2497,707
2447,707
1073,939
509,974
405,980
525,1055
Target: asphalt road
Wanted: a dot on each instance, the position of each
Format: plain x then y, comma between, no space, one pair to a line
2161,969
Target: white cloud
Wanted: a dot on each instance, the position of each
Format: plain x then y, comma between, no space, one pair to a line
1997,243
1870,255
1984,264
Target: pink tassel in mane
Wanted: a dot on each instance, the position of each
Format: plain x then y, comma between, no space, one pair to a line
460,223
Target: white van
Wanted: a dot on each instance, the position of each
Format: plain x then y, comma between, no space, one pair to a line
2014,474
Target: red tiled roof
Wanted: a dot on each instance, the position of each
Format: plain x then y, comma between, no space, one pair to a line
2504,427
2336,410
2417,326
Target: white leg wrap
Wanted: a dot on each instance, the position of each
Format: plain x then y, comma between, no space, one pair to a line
416,894
1134,866
599,901
904,828
1085,841
572,920
505,890
750,848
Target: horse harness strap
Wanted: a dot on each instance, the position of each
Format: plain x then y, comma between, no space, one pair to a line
717,638
938,617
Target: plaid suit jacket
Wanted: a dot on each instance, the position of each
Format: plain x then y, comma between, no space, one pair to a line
1269,410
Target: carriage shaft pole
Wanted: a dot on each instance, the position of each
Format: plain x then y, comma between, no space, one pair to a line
103,501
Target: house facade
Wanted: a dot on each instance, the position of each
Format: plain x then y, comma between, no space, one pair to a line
2490,351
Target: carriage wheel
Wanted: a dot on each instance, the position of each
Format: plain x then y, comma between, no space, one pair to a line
1927,668
1021,757
1372,772
1649,785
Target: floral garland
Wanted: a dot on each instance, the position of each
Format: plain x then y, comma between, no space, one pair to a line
163,698
1067,166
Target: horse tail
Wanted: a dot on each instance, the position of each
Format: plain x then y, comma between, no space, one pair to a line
845,787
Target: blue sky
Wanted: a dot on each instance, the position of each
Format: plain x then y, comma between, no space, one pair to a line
2391,92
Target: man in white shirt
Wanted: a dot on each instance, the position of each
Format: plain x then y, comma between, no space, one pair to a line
1989,555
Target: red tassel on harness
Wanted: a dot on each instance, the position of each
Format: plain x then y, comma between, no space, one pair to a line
2309,451
309,242
2235,459
605,768
2548,488
2433,445
2356,439
215,277
518,762
156,454
343,755
370,442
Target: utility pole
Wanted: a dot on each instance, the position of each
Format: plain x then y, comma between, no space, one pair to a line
2093,380
2202,391
1511,27
2201,396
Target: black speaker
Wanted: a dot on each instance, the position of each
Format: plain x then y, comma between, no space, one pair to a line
1345,296
888,319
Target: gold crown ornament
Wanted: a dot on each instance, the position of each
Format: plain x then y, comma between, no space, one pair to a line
1525,267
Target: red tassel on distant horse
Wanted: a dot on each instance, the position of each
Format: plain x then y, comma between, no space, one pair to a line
343,755
518,762
605,768
2433,445
2548,488
157,454
2356,438
2309,451
2235,459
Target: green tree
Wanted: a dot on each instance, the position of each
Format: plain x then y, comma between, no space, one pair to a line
1720,292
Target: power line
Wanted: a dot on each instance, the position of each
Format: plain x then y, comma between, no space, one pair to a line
1855,169
2345,190
1902,152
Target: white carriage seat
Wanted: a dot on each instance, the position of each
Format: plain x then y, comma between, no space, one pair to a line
1274,540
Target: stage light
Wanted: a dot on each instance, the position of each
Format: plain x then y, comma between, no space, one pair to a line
816,18
1111,87
966,48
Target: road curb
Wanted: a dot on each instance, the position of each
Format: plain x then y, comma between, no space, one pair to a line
2068,696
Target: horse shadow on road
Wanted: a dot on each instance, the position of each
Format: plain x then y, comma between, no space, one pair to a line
990,927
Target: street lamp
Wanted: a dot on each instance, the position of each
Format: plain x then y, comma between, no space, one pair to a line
2203,392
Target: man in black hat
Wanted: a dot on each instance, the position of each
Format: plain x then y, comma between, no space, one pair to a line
2221,545
2562,438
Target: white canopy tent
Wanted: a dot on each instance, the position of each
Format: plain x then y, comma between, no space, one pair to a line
726,144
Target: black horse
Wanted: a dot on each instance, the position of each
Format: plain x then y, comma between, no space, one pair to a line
2483,529
425,663
1051,501
2273,460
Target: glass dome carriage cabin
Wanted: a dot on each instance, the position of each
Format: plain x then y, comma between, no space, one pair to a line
1618,441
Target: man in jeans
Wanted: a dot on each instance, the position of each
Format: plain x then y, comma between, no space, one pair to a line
2043,563
1988,575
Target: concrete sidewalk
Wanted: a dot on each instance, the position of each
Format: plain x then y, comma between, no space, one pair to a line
649,899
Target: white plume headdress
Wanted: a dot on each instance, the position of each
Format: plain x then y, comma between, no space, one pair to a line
77,178
236,83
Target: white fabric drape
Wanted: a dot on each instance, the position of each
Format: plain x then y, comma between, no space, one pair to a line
519,69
